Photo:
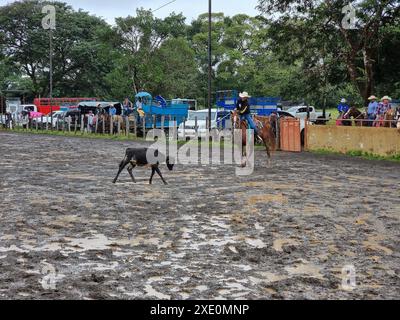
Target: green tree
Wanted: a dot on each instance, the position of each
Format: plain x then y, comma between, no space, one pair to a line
176,73
140,37
81,57
313,31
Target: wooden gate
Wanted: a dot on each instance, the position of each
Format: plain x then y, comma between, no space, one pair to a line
290,135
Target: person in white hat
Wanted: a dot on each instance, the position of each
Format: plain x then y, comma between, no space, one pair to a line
343,107
372,109
384,106
243,107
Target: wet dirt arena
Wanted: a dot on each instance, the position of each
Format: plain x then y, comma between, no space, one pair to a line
285,232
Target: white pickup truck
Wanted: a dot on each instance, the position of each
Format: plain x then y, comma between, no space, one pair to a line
219,119
300,112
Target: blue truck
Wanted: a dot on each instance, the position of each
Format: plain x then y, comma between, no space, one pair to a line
261,106
158,109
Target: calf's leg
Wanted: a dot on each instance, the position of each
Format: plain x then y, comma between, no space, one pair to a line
159,173
123,164
153,171
130,169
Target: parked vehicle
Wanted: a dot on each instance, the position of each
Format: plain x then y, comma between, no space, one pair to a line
83,108
15,109
261,106
158,109
57,116
47,105
220,119
301,112
283,114
193,106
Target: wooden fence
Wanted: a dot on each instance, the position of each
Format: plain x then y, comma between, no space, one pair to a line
106,125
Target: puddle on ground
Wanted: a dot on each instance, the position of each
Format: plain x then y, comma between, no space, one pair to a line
280,243
305,269
151,292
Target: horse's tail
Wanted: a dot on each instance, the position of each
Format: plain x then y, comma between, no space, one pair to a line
272,131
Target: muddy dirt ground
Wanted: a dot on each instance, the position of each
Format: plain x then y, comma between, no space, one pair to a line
285,232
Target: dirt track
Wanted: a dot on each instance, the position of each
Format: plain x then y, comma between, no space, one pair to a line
284,232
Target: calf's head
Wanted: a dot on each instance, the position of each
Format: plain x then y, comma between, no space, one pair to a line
169,164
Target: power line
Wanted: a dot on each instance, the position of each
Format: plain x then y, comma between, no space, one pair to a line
164,5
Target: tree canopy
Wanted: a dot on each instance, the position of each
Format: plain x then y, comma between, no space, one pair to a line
295,49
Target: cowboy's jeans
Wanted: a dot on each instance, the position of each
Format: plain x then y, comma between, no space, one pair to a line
250,121
372,118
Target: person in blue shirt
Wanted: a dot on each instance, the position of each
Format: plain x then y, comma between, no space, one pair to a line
128,107
113,110
161,101
343,107
372,109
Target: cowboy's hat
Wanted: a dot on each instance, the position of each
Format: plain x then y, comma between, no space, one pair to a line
372,98
343,100
244,95
386,98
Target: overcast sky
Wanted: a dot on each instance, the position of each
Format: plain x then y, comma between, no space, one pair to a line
109,9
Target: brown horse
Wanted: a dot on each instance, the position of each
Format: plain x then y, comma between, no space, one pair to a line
389,118
267,127
358,117
265,131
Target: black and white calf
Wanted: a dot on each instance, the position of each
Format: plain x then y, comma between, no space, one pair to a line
139,158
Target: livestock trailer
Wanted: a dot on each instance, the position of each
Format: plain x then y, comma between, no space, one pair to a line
261,106
159,109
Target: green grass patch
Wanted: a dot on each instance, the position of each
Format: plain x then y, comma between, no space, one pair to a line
78,134
334,115
359,154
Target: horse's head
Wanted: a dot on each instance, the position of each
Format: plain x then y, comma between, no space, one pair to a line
389,115
235,118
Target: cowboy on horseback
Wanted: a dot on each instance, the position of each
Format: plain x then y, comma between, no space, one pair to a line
243,108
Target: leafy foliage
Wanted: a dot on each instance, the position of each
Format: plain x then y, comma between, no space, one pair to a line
296,49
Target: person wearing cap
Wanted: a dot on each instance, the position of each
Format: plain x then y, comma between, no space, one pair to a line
112,110
343,107
243,107
372,109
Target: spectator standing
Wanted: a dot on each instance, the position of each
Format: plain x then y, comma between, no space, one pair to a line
91,121
372,109
343,107
113,110
383,107
128,107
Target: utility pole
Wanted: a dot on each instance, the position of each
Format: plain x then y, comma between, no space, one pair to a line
49,23
51,77
209,64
